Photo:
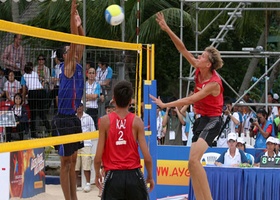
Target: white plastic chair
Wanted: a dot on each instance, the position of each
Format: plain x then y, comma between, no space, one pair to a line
210,157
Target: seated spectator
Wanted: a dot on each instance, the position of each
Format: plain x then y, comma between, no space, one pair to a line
277,146
261,128
233,156
21,118
2,83
11,87
270,146
241,145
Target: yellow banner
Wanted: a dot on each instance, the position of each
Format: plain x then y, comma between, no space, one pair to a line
172,172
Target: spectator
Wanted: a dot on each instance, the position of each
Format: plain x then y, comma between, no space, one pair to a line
12,87
231,120
277,146
14,58
249,114
233,156
84,158
104,75
261,128
2,84
21,118
92,94
241,145
173,120
270,146
272,110
36,98
160,136
43,72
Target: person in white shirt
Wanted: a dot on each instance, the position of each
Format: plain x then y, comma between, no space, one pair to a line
11,87
85,157
270,147
233,156
231,125
93,91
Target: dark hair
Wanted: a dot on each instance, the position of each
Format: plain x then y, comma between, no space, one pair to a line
28,68
41,55
103,60
59,54
91,64
18,94
263,112
123,93
227,100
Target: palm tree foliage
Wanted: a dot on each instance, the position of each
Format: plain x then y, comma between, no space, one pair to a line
56,16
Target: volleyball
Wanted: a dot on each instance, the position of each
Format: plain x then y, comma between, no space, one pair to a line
114,14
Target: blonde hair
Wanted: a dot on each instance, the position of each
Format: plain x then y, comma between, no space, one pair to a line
214,57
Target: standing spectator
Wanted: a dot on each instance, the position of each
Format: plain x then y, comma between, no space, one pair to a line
208,103
231,120
173,120
2,84
36,98
160,136
272,110
262,128
92,94
120,134
21,118
12,86
14,58
233,156
84,158
249,114
43,72
104,75
69,98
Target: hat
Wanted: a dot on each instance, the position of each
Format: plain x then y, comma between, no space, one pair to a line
275,96
270,139
231,136
53,55
240,140
277,141
109,104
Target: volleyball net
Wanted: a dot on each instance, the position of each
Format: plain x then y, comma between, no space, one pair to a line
125,59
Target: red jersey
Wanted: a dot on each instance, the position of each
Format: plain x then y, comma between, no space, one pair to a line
121,149
209,106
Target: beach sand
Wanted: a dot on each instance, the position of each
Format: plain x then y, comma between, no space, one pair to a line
54,192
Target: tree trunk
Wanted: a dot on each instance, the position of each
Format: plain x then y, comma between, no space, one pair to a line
252,67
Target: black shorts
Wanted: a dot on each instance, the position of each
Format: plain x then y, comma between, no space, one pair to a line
207,128
125,184
65,125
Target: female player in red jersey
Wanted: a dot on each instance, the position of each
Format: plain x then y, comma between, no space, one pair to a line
208,103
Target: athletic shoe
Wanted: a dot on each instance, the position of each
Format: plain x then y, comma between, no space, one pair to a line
87,187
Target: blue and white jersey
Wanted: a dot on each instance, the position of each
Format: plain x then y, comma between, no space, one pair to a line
70,91
93,88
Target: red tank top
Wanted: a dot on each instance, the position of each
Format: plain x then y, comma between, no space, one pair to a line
121,149
209,106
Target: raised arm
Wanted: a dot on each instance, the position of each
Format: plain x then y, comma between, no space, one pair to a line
75,52
176,40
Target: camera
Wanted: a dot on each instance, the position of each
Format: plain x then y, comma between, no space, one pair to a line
224,108
251,120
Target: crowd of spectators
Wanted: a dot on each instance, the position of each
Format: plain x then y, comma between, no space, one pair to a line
37,86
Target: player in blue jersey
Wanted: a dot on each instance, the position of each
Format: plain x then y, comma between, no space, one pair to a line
69,98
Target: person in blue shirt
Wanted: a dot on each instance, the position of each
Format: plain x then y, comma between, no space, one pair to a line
233,156
241,144
261,128
69,98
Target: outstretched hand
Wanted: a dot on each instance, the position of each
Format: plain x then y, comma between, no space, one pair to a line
161,21
157,101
